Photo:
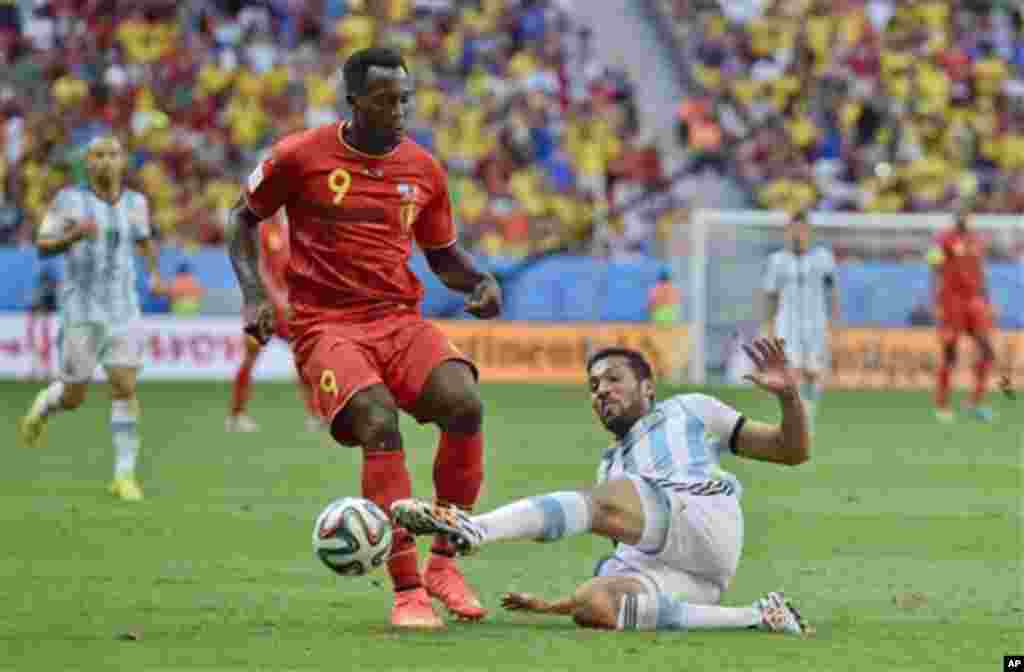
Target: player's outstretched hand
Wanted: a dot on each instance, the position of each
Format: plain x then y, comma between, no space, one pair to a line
771,369
259,322
524,602
485,301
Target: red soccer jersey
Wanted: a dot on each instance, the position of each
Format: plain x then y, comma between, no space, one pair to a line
352,220
274,256
963,273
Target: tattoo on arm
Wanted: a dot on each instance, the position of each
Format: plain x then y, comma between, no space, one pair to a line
244,249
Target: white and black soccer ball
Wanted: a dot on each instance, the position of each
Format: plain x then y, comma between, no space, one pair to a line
352,536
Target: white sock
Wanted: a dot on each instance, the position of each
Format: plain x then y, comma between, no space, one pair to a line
811,393
124,428
661,612
544,518
54,393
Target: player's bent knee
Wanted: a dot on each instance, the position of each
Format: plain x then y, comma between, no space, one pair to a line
375,427
122,391
617,511
464,413
73,396
71,403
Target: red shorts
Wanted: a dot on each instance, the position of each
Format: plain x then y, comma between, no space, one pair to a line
337,360
281,324
960,316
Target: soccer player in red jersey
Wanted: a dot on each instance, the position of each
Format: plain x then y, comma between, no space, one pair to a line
357,195
272,263
962,306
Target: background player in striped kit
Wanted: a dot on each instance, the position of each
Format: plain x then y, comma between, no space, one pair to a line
801,302
661,496
98,225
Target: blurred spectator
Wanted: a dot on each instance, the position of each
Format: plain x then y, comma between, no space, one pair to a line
921,316
664,301
185,292
873,105
511,98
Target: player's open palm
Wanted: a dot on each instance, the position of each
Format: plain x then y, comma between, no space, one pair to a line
524,602
771,369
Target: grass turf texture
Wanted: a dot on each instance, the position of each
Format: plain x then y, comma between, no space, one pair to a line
901,541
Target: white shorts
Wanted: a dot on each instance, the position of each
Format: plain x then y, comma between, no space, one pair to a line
83,345
701,551
809,354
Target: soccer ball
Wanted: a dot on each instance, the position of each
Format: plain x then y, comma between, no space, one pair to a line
352,536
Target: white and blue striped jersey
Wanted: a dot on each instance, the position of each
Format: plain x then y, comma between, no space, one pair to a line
678,445
99,273
801,281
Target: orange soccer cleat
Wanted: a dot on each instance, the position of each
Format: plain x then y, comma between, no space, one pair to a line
414,610
444,581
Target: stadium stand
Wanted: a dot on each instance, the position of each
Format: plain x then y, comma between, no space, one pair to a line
872,105
512,95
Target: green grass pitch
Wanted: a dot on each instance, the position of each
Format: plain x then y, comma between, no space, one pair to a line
901,541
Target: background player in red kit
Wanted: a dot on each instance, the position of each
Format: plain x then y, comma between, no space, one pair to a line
962,306
357,195
272,263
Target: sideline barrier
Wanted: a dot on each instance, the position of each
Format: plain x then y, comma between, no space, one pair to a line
210,348
556,353
908,358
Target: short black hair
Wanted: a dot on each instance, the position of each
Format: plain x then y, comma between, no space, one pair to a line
636,360
360,63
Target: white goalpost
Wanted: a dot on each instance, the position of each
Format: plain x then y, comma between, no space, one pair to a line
719,255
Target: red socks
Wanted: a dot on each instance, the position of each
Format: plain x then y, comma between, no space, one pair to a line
981,371
458,474
242,389
385,480
942,386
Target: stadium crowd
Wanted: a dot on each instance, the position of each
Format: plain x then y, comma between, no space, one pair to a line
512,96
873,105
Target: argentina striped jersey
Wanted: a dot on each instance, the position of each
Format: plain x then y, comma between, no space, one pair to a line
678,446
801,283
99,274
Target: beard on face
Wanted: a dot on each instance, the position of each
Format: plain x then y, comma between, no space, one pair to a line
621,422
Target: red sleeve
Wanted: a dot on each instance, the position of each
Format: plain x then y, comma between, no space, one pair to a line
270,184
434,228
270,264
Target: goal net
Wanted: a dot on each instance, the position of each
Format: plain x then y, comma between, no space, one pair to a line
886,335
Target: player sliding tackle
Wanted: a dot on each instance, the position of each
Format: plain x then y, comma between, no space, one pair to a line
661,496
